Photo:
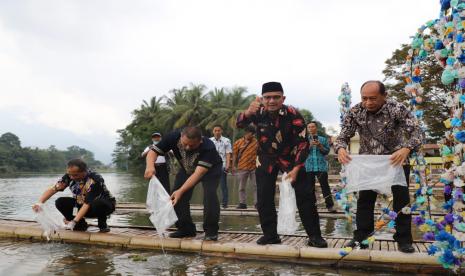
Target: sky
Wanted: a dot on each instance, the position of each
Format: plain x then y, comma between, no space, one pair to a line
71,72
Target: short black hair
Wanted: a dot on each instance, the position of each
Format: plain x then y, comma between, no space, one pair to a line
217,125
313,122
192,132
79,163
381,87
250,129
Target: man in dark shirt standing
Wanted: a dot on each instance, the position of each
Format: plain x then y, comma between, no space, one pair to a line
386,127
283,146
199,162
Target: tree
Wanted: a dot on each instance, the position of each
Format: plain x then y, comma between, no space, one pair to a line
308,117
14,158
188,106
434,97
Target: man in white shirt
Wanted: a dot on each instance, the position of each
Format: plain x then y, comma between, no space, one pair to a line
162,172
223,146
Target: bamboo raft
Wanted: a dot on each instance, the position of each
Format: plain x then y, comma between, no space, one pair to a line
382,255
129,207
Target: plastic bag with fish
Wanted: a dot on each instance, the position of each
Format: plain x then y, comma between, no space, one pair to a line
287,222
48,221
162,214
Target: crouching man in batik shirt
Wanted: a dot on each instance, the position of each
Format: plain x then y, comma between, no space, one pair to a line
282,146
200,162
91,198
386,127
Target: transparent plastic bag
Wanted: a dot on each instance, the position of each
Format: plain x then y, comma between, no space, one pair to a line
373,172
287,223
49,222
162,214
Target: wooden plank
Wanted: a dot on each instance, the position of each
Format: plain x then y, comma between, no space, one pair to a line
423,247
375,245
331,242
338,243
391,246
384,245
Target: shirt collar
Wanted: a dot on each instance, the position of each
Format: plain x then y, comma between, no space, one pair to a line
281,112
383,109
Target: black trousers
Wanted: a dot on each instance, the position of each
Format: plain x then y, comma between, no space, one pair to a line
323,179
99,208
163,175
211,205
365,212
305,198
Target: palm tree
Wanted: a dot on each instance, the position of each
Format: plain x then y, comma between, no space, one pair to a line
188,106
226,107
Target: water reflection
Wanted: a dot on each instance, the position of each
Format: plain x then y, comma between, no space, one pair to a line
19,193
70,259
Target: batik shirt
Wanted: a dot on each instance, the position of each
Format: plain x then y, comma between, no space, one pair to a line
382,133
205,155
316,160
86,190
245,153
282,139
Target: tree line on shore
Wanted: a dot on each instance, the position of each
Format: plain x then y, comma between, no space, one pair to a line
17,159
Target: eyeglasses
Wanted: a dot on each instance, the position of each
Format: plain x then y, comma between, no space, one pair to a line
274,97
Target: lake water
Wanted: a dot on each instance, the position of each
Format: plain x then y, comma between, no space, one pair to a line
17,194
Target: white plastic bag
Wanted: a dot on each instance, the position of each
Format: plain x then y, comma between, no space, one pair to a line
162,214
48,222
287,223
373,172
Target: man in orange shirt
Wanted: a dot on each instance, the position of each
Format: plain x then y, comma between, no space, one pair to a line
244,160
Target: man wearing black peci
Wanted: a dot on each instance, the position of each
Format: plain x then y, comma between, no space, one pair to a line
283,146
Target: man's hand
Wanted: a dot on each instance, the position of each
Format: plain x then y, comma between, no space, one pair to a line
253,107
176,196
37,207
70,225
315,143
343,156
292,175
398,157
149,172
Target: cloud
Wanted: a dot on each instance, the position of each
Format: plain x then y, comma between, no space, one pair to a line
83,66
41,101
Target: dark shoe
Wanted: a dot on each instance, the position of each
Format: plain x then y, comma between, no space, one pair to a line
181,234
102,225
317,242
81,225
405,247
224,206
353,243
266,240
241,206
104,230
332,209
210,237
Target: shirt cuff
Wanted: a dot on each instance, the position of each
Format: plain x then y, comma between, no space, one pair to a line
158,150
204,164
